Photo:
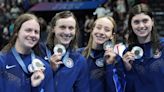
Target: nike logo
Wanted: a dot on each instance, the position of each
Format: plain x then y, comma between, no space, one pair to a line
11,66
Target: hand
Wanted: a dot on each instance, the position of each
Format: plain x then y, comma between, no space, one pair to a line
110,56
55,60
36,78
128,59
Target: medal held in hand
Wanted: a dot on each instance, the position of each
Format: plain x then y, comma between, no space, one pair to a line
108,44
59,49
36,65
138,51
68,62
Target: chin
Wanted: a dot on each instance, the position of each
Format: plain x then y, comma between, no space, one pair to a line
99,42
65,43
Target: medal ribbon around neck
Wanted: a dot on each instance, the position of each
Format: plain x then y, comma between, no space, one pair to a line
20,61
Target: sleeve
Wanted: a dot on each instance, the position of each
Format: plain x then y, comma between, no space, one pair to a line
115,76
82,83
1,74
129,82
48,83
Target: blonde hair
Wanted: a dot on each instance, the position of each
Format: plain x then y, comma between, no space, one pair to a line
88,48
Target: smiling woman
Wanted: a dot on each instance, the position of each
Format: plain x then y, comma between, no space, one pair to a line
103,63
70,69
143,59
19,54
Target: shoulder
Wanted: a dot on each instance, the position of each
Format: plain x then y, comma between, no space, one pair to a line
42,47
4,55
162,41
80,50
78,57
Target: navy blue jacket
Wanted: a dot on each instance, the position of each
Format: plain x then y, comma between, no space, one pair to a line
75,79
14,79
101,78
147,74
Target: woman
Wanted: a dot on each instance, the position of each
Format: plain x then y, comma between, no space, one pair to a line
103,63
69,76
144,65
21,53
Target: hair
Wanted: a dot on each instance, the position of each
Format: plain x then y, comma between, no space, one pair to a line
132,40
17,25
51,41
87,49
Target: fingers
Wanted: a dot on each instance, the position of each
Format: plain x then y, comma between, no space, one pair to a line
128,59
110,56
37,78
129,56
55,60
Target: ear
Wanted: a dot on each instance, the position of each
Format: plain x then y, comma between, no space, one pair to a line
152,21
112,36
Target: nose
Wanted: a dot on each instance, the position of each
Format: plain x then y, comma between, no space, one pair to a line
33,33
101,32
67,31
141,24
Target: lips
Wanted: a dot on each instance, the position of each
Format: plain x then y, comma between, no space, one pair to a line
32,40
100,36
66,36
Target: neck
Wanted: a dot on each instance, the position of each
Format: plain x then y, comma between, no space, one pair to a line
21,50
145,39
97,46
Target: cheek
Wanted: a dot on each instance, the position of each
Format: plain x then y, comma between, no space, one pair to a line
109,35
38,36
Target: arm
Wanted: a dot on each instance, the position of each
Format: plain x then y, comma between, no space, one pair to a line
115,76
48,83
82,83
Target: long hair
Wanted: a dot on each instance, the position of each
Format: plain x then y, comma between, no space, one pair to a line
17,25
88,48
132,40
51,41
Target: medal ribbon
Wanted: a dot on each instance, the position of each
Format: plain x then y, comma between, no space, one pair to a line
20,61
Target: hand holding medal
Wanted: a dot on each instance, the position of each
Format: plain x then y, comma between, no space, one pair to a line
138,52
37,68
55,60
68,62
109,52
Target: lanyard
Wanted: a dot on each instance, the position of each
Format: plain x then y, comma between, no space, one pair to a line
20,61
64,58
48,53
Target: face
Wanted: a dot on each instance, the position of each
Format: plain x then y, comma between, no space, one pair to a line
102,31
29,34
142,25
65,30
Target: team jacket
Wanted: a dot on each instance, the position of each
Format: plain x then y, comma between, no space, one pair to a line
147,73
75,79
109,78
14,79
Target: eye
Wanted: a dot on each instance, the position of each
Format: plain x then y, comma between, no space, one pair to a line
107,29
145,20
71,27
98,27
136,21
62,27
28,30
37,32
